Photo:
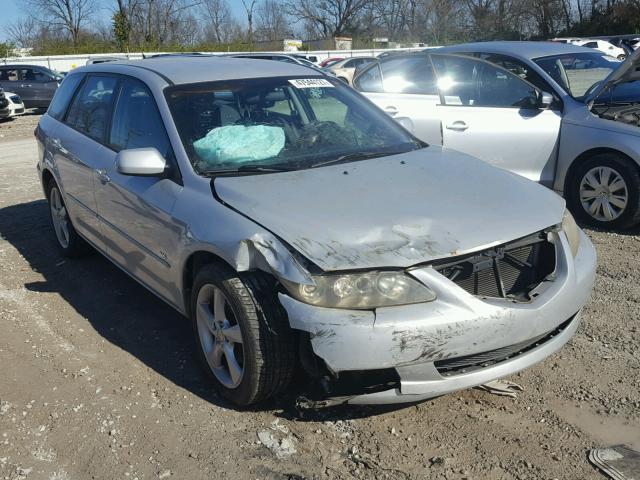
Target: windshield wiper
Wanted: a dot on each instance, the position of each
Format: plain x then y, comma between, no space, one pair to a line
248,169
355,156
264,168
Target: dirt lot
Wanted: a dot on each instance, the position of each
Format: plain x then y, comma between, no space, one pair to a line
20,127
99,381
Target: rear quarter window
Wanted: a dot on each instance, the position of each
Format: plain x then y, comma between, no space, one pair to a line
63,96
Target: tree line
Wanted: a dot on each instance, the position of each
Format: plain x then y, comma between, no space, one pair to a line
88,26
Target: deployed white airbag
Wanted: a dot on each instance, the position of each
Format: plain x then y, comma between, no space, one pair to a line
239,143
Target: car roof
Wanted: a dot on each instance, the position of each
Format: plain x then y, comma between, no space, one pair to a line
259,54
21,65
528,50
195,69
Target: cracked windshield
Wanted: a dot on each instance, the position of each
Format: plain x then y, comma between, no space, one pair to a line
280,124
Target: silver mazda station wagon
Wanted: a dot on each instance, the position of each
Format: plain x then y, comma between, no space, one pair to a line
300,227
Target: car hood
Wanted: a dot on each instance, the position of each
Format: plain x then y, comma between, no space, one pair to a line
395,211
629,71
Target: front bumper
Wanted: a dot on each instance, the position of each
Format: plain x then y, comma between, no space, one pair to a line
414,339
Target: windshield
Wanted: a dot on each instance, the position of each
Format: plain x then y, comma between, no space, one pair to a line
280,123
579,73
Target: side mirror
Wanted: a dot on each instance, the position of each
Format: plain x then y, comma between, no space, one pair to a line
545,100
146,162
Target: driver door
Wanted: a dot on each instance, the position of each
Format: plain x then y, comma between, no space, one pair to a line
489,113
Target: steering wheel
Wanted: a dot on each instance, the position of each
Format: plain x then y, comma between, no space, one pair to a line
314,132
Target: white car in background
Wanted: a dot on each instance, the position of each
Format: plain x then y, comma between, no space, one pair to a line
603,46
345,69
11,105
565,116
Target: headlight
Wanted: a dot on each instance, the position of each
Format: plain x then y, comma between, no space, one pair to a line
572,232
361,290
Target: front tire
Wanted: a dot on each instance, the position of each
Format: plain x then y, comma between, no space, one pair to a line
604,191
70,243
243,339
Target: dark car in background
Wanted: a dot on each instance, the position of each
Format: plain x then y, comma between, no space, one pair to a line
33,83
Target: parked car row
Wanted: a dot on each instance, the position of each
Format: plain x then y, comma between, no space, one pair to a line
615,47
299,227
561,115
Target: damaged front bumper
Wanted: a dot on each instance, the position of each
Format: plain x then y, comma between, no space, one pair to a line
455,342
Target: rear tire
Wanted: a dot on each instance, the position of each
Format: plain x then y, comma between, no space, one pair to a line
243,340
604,191
70,243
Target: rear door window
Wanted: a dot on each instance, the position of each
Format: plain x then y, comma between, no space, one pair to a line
410,74
91,108
63,96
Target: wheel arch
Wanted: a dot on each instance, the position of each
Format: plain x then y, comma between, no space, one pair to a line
47,176
194,262
588,154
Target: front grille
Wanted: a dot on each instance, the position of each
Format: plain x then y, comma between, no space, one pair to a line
509,271
19,110
470,363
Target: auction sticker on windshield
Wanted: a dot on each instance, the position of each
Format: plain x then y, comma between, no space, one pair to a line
310,83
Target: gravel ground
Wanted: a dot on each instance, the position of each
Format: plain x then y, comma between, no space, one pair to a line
99,381
18,128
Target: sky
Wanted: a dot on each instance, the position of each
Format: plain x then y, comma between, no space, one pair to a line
14,9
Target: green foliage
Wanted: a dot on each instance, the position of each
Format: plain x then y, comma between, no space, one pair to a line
6,49
121,31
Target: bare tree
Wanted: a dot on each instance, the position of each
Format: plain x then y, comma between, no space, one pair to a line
392,18
249,6
69,15
23,32
155,23
327,17
271,21
218,20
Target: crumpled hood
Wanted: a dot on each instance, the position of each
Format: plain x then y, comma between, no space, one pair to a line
393,211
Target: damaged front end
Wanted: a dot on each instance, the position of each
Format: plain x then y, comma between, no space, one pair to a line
496,312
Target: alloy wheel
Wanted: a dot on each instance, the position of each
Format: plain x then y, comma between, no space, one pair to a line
59,217
603,193
220,336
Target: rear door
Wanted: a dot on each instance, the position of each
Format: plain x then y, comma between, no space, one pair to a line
405,88
490,113
80,154
136,210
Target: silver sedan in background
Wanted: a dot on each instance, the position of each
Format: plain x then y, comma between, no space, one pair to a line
558,114
299,227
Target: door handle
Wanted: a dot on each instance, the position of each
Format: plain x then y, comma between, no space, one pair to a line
25,85
458,126
101,173
391,110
